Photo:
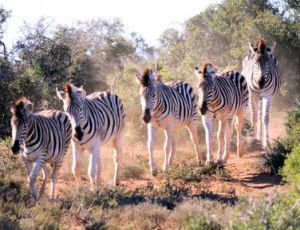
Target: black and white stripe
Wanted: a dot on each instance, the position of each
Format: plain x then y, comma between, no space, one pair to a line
43,137
261,70
168,106
96,119
221,96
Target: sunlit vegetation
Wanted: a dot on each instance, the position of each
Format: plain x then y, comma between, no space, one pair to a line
101,55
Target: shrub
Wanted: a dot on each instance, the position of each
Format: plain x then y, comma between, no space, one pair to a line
291,168
191,212
201,223
132,171
113,197
142,216
271,212
273,159
188,172
293,126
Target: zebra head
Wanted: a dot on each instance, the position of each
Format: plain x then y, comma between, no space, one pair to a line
21,111
148,82
206,84
261,57
73,99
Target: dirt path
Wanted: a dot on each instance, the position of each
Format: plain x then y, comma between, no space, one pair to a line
245,180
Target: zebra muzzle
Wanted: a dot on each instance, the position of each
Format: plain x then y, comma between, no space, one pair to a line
78,133
16,147
146,117
261,83
203,108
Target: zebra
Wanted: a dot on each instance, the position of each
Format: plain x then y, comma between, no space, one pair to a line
168,106
96,119
221,96
41,138
261,70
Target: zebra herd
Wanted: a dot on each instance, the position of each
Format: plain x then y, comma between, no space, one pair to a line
89,121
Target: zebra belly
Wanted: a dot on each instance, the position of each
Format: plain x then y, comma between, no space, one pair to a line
166,122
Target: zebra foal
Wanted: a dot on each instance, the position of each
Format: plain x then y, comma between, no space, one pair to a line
169,106
96,119
261,70
42,138
221,96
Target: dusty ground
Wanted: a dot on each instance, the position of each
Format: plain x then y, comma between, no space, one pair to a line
245,179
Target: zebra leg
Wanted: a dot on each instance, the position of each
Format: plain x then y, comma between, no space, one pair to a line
28,165
75,165
46,174
54,174
221,138
168,148
151,141
33,174
99,167
253,101
171,155
194,138
93,162
238,126
259,119
118,143
227,143
266,105
207,123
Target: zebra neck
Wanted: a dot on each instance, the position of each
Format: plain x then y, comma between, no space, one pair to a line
84,114
32,124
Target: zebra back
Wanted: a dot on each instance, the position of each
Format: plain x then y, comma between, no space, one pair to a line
105,115
230,93
49,133
181,100
240,82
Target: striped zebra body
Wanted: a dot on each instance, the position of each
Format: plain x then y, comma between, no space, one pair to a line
174,99
168,106
222,96
44,137
96,119
261,70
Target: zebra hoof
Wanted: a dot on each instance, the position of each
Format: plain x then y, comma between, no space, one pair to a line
256,145
220,162
154,172
207,162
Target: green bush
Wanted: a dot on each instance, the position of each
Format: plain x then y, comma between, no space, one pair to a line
190,172
291,168
132,171
270,212
293,127
202,223
273,159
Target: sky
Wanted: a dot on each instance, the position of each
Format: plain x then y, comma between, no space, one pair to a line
147,18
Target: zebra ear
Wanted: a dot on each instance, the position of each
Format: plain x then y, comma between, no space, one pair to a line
198,71
251,48
29,106
83,93
61,94
273,47
138,77
158,78
13,110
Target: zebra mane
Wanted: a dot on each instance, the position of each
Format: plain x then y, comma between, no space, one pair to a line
68,89
146,80
261,46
